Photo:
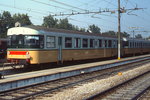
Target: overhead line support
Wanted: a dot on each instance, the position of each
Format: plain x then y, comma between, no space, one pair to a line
119,32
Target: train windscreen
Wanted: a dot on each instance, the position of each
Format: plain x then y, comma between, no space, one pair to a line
25,41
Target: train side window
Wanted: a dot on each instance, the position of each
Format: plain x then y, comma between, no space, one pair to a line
117,44
130,44
114,44
96,43
100,43
105,43
50,42
77,42
125,44
85,43
91,43
109,43
135,44
68,42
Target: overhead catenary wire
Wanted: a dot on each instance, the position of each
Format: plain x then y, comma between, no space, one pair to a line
70,7
110,3
126,2
52,5
89,23
24,9
133,4
67,5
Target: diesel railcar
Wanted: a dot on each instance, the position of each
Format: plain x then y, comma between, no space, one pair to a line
38,45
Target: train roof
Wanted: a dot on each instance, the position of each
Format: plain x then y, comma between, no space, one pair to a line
39,30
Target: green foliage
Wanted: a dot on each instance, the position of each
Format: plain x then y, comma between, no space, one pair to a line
148,38
3,35
82,30
94,29
110,33
64,24
22,18
138,36
125,34
50,22
7,21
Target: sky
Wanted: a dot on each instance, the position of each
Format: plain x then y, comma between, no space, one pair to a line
138,20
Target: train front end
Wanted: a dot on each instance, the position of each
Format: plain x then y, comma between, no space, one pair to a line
24,45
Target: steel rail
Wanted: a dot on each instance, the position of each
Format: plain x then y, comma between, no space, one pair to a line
140,94
117,86
59,87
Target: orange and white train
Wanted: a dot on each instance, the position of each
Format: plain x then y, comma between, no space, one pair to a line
38,45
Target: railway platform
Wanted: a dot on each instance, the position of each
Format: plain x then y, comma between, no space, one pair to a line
24,79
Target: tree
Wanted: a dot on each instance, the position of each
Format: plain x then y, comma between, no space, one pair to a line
6,22
94,29
22,18
138,36
125,34
148,38
64,24
75,28
82,30
110,33
50,22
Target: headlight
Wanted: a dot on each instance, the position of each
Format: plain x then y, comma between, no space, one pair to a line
8,52
27,53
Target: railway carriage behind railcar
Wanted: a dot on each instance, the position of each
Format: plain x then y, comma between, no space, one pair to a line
3,48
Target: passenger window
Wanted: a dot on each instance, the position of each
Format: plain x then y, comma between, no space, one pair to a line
109,43
91,43
50,42
68,42
130,44
96,43
77,42
114,44
135,44
125,44
85,43
117,44
100,43
105,43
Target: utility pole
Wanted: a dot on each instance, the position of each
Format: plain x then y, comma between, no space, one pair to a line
133,43
119,32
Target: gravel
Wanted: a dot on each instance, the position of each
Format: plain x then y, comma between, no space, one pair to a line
85,90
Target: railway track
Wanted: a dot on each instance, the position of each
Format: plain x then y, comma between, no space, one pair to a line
8,70
51,87
145,95
129,90
5,69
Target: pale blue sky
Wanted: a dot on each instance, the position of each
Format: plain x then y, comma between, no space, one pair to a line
106,21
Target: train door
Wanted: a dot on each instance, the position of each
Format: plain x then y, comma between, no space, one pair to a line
59,49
